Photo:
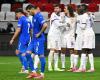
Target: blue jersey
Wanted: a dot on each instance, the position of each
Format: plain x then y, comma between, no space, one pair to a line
38,22
25,25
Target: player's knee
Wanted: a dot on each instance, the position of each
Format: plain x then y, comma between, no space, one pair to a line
63,50
71,51
76,52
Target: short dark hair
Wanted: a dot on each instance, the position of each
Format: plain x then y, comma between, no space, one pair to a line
71,11
19,10
84,7
56,5
30,6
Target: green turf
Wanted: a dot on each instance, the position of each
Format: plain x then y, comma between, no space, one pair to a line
9,67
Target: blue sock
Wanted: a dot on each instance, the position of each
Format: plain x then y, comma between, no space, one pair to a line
20,58
25,62
43,62
30,61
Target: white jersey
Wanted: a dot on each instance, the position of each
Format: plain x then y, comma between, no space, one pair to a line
54,34
88,23
54,25
68,33
79,29
30,18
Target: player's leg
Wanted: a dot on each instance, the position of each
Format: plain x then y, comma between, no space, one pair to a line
22,48
76,56
91,60
39,49
36,62
82,67
50,59
63,52
71,59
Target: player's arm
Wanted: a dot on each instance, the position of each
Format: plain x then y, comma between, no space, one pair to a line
43,25
42,30
16,32
15,35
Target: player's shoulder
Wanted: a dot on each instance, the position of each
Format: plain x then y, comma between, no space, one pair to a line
85,15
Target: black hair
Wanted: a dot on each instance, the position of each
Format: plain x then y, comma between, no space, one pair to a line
71,11
84,7
19,10
30,6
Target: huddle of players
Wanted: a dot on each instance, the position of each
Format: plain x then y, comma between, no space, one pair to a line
61,36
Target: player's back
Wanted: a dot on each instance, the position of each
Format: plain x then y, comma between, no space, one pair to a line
25,26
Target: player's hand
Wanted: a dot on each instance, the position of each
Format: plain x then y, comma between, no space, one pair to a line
38,35
11,41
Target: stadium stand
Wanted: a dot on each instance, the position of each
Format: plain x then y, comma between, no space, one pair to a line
6,7
10,16
2,16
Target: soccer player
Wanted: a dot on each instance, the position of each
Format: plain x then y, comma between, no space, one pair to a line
54,39
36,57
23,31
86,24
68,34
38,40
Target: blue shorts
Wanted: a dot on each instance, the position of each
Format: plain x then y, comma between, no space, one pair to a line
36,46
22,47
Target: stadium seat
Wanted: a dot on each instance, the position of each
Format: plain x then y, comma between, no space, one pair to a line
49,8
25,5
86,1
2,16
75,1
97,16
55,1
65,2
96,1
45,14
10,16
6,7
92,7
15,6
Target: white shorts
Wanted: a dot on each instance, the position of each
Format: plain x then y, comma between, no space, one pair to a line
54,42
78,42
89,41
67,41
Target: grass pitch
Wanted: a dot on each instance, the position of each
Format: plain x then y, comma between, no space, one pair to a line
10,66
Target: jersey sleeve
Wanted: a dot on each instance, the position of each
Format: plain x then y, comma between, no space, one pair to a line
41,20
19,23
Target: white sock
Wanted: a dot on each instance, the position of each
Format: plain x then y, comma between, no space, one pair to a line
63,60
75,60
56,57
86,60
83,62
91,60
36,61
50,58
71,60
